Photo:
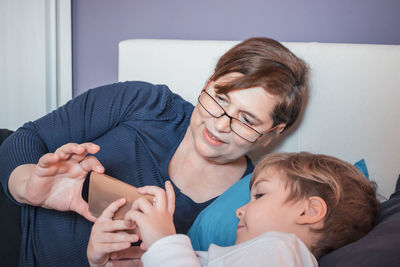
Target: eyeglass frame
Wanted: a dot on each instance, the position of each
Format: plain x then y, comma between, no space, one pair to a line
232,118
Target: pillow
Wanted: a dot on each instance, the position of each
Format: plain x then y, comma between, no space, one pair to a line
217,223
362,167
380,247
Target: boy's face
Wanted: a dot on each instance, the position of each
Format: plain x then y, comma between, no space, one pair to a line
267,209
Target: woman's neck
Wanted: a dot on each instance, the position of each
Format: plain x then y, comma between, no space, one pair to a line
200,178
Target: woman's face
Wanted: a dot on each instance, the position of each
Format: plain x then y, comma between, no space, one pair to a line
213,138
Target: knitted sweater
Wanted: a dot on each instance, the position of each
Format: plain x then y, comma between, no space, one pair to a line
138,127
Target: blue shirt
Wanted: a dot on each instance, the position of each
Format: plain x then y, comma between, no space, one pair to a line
138,127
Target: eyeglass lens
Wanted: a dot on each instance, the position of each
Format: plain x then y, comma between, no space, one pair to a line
215,110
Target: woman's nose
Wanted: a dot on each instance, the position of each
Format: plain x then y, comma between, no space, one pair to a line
222,124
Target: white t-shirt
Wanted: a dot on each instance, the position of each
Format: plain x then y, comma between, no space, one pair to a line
268,249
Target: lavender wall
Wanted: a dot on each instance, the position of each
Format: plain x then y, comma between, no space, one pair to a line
99,25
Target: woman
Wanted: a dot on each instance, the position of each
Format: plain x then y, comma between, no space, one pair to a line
148,135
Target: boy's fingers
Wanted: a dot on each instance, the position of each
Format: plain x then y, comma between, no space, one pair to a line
170,197
115,225
158,193
109,212
113,247
133,215
134,252
142,204
143,246
117,237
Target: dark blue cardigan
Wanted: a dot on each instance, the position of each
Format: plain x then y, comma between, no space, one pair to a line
138,127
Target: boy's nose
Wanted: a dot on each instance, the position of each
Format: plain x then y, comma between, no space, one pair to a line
240,212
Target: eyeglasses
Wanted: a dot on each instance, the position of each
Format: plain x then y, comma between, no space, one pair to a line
238,127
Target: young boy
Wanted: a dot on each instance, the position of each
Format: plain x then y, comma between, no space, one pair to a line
302,206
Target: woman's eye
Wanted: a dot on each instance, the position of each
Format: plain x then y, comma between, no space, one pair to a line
220,99
246,120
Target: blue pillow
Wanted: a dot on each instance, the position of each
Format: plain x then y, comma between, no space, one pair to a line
217,223
362,167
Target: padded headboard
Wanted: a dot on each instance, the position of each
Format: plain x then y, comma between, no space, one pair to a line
353,110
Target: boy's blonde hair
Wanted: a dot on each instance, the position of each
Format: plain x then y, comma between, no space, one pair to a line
350,198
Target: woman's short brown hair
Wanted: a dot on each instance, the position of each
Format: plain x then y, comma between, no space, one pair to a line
268,64
349,196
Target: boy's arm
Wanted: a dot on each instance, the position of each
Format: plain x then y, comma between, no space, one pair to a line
173,250
154,220
157,230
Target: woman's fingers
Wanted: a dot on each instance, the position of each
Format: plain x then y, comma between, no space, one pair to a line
47,165
90,148
91,163
109,212
75,151
67,150
83,210
47,160
170,197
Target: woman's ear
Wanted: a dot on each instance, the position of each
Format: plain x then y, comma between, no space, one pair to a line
313,211
280,128
273,135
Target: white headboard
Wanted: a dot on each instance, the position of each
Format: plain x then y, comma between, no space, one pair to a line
353,110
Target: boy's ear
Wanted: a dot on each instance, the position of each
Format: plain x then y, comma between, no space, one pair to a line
313,211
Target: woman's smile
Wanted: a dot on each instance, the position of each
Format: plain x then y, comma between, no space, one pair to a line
212,139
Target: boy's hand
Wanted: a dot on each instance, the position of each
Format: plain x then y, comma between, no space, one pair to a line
107,236
154,221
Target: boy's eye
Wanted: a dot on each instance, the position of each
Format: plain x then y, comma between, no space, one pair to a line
257,196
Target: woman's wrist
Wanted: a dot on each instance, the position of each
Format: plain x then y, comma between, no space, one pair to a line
17,183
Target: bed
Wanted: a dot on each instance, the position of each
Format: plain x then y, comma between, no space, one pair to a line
352,112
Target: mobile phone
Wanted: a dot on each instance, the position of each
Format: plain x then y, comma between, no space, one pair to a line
104,189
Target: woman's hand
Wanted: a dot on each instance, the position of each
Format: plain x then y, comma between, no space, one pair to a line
107,236
153,221
56,181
